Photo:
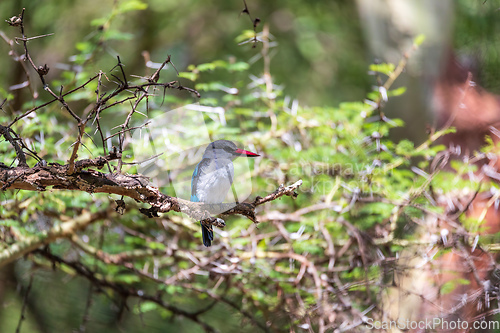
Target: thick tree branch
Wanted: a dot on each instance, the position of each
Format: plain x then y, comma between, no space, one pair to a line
136,187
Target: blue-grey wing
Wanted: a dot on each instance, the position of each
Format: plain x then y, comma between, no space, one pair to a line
201,169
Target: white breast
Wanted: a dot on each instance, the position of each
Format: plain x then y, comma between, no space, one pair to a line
213,186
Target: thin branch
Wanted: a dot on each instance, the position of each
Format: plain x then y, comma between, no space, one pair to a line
255,22
5,131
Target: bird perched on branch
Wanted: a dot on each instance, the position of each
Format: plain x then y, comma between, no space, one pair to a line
213,176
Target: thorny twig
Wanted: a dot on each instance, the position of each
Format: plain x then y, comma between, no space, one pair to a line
103,100
6,132
255,22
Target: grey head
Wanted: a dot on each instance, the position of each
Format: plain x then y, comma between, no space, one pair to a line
225,149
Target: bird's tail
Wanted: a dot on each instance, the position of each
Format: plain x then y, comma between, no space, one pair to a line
208,234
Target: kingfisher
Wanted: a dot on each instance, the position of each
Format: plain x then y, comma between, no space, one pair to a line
213,176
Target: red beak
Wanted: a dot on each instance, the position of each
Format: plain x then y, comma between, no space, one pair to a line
245,152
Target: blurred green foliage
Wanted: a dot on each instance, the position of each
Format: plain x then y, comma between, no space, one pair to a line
320,58
476,40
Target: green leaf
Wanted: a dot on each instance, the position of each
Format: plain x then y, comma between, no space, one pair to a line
449,286
127,278
384,68
145,307
245,35
9,223
131,5
188,75
239,66
396,92
156,246
117,35
210,86
419,40
212,65
84,46
209,101
206,67
405,147
99,21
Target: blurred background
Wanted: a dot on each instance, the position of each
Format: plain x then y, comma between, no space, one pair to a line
322,48
320,54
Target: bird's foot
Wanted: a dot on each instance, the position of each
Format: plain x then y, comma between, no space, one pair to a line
220,223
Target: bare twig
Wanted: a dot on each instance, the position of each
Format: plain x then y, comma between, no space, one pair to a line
6,132
255,22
